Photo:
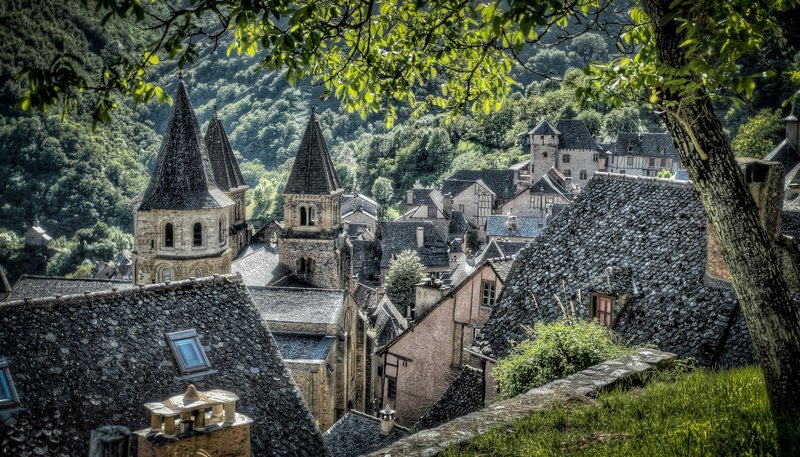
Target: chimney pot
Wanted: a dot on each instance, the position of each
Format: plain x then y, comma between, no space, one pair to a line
387,420
420,237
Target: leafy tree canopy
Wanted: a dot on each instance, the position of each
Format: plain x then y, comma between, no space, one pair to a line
405,272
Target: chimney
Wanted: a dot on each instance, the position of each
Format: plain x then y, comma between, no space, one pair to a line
410,197
792,122
196,422
428,293
420,237
387,420
380,291
447,205
511,225
765,182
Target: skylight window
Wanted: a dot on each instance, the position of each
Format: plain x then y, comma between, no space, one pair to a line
8,394
188,352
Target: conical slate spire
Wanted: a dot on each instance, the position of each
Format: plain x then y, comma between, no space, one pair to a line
223,163
183,179
312,172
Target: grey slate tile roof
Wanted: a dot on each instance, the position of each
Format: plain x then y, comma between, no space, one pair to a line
463,269
645,144
527,226
295,304
366,259
502,182
226,170
544,127
464,396
183,178
491,251
657,229
357,434
681,175
547,185
458,225
303,347
260,267
502,267
32,286
357,202
81,361
425,197
312,172
365,297
785,153
575,135
398,236
510,248
388,322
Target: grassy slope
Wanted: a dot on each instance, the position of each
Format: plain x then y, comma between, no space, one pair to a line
701,413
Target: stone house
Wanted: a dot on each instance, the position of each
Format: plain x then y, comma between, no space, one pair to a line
316,333
416,367
182,222
542,197
79,361
420,237
644,265
643,154
360,209
566,146
37,236
480,193
424,203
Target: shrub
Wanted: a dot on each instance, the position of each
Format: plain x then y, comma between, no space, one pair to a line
554,351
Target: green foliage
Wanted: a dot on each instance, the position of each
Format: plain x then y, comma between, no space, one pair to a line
699,413
664,174
593,121
84,270
759,135
382,191
99,242
405,272
555,351
588,48
625,119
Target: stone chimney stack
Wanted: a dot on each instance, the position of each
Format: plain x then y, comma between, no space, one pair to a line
196,422
427,294
409,197
765,182
420,237
387,420
792,122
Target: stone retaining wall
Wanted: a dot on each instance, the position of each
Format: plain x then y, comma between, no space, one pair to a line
585,384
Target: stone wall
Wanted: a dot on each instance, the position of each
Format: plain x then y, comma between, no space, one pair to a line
229,441
326,268
587,383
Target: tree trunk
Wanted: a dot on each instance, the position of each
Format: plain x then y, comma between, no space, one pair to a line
773,318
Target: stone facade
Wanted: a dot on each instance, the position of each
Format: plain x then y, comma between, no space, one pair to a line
157,261
566,146
238,231
316,261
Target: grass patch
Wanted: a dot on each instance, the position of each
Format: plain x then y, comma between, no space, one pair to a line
701,413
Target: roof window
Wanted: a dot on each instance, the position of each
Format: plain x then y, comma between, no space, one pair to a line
8,394
188,352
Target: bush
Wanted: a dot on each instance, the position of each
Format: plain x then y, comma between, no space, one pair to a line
405,272
554,351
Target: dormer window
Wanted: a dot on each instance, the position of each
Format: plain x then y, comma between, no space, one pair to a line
488,289
8,394
197,238
169,235
188,352
602,309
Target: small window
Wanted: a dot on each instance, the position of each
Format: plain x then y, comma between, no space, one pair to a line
549,200
595,157
312,216
198,234
544,154
392,388
583,174
651,162
199,272
8,394
380,371
567,173
488,293
622,172
565,158
602,309
303,218
461,208
166,275
169,236
661,150
630,148
188,352
432,212
630,161
663,163
221,230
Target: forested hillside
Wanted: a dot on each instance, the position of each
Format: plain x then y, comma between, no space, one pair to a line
73,177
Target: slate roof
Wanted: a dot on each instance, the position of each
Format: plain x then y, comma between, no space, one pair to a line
365,259
83,361
303,347
527,226
183,178
645,144
502,182
458,225
223,162
544,127
351,203
502,267
463,396
657,229
260,267
424,197
463,269
32,286
294,304
491,251
510,248
547,185
312,172
681,175
388,322
398,236
575,135
357,434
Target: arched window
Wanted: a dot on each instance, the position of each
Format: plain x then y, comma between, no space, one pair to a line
169,236
198,234
309,265
199,272
311,216
302,265
166,275
303,220
221,228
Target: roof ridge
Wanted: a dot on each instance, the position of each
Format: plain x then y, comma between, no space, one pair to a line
605,176
64,278
70,298
320,289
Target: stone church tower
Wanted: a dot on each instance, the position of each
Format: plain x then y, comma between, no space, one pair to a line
312,243
229,179
182,221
